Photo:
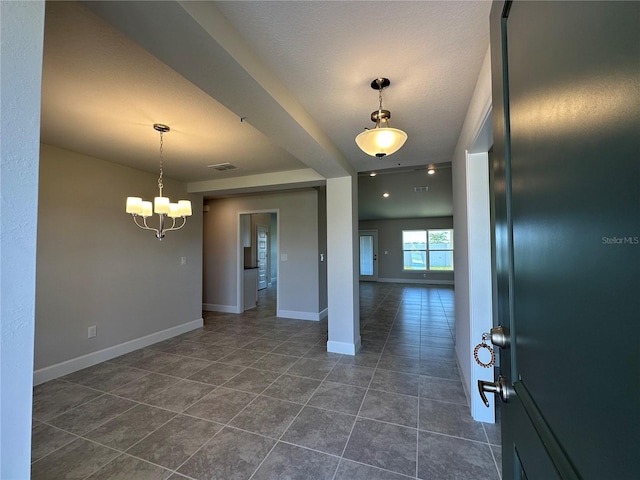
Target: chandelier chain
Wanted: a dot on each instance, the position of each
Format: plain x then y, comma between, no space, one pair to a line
160,185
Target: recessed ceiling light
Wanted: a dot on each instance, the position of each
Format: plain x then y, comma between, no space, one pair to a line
372,174
385,195
431,171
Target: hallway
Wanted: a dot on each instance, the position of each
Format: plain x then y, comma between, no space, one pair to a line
253,396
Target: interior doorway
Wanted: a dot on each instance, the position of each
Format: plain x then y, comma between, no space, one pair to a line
258,254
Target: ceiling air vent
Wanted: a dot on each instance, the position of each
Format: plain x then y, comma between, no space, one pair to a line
420,189
222,167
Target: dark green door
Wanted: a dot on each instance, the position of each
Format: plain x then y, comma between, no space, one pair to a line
566,172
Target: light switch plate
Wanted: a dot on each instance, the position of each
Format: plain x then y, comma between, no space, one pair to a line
92,331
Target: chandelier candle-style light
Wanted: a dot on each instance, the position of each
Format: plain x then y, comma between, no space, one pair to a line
381,140
161,205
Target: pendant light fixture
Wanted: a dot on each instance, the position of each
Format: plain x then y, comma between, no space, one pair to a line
161,205
381,140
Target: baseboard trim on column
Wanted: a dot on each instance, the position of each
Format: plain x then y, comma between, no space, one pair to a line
313,316
212,307
344,348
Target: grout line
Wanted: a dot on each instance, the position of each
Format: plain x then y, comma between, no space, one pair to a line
495,461
227,424
371,379
346,443
294,419
479,442
75,437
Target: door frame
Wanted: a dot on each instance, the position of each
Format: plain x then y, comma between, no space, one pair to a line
479,259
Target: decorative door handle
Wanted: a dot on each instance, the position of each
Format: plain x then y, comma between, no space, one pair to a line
499,387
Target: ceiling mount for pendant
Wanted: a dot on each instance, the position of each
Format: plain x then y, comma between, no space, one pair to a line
380,83
381,140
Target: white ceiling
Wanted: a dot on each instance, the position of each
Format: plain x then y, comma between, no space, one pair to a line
297,73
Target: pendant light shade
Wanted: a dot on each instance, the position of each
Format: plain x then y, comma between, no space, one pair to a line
382,140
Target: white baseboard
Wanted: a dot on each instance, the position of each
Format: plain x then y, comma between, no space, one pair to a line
315,317
344,347
212,307
323,314
69,366
420,281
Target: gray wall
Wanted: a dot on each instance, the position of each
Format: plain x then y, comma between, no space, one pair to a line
298,239
390,241
95,267
22,25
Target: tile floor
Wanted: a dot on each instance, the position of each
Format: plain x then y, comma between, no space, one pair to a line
257,397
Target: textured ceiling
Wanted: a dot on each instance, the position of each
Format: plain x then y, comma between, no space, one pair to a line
328,52
102,93
298,73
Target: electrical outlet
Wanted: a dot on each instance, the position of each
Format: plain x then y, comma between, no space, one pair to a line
283,257
92,331
183,260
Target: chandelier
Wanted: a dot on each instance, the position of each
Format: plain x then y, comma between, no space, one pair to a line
381,140
139,208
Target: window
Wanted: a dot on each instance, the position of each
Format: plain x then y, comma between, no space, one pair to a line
427,250
414,246
440,249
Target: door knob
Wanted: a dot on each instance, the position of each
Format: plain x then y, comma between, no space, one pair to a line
498,387
499,336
